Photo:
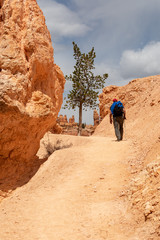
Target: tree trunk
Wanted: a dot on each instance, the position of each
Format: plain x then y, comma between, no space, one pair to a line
80,120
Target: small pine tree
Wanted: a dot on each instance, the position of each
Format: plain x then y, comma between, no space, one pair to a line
84,83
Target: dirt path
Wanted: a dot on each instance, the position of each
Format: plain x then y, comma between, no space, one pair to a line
75,195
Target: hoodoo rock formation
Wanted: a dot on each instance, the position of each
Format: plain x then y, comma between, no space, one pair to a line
67,127
70,127
96,118
31,85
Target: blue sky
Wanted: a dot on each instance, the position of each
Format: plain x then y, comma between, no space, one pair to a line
124,33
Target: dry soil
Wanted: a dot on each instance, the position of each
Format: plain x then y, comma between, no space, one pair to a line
77,194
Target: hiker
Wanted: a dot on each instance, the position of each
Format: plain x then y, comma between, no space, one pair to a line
119,114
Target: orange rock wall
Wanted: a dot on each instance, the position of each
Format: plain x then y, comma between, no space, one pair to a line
31,85
136,93
141,98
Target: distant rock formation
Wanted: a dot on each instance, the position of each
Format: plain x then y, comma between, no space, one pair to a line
31,85
70,127
88,130
96,118
72,120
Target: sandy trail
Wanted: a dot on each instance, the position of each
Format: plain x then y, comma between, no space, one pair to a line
75,195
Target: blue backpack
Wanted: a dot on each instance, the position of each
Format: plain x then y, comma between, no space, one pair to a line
118,109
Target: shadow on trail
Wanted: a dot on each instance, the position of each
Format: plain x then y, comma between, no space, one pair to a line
125,140
16,174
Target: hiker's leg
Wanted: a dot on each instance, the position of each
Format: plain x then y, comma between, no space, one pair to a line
116,128
121,131
121,121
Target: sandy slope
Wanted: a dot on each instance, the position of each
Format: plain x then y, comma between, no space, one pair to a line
75,195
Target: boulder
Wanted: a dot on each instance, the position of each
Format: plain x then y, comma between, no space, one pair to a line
31,84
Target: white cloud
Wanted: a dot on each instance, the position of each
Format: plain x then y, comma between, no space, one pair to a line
140,63
114,74
62,21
